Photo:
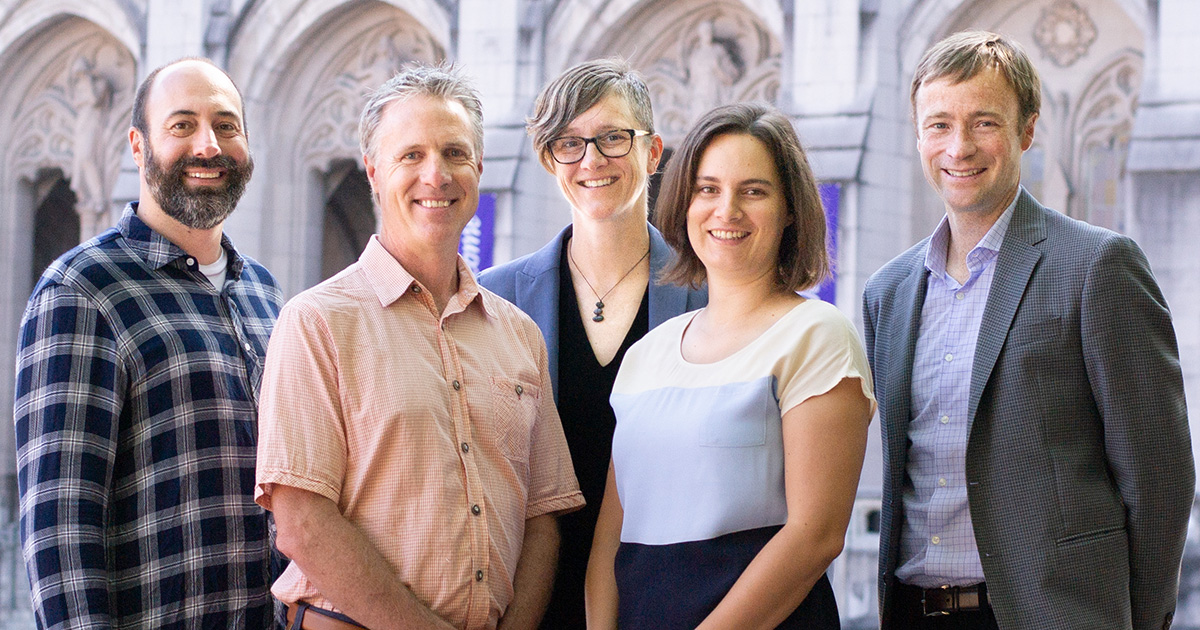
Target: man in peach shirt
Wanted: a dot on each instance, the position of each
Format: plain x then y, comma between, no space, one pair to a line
409,445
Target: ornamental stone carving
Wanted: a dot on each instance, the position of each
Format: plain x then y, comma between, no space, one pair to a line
718,55
74,120
1101,129
364,64
1064,32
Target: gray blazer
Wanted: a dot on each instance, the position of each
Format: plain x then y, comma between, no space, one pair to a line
531,282
1079,464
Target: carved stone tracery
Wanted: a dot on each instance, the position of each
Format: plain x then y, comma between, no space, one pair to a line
1103,128
1064,32
337,96
718,54
74,119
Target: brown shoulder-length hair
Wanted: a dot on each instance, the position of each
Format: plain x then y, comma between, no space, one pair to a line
803,256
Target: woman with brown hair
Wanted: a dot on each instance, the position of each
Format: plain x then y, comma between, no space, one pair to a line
741,427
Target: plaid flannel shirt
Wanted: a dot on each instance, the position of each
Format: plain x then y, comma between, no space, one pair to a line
136,427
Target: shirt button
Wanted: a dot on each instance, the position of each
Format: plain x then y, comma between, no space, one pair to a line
466,447
960,295
520,390
479,576
937,540
945,419
416,289
942,482
475,509
248,347
949,356
191,262
457,386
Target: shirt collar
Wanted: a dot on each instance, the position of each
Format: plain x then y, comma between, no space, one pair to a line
390,280
939,243
157,251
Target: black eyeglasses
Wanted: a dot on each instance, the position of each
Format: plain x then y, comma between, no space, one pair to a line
611,144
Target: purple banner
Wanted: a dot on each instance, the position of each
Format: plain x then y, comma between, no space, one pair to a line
830,198
480,234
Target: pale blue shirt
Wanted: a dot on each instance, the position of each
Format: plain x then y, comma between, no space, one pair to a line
937,542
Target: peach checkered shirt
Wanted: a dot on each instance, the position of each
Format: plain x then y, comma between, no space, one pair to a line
436,435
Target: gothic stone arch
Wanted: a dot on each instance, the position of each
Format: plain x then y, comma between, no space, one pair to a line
695,56
63,116
304,124
1101,129
579,29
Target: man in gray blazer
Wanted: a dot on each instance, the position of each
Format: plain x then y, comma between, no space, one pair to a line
1038,468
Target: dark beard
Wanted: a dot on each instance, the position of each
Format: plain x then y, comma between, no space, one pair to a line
198,208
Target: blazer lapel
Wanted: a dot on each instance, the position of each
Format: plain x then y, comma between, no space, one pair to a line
1014,267
910,297
537,295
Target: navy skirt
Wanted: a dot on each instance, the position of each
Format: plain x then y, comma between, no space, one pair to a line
669,587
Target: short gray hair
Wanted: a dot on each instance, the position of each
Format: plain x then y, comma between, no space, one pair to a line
578,89
965,54
444,81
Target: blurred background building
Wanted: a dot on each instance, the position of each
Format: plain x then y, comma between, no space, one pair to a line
1117,144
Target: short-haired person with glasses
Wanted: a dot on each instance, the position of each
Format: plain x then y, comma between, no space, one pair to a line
592,289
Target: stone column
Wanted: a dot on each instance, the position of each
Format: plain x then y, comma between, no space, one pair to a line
491,45
830,108
173,29
1164,172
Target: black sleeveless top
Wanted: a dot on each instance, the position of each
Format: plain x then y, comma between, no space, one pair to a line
588,422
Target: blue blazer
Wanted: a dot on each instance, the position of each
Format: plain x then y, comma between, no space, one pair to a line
531,282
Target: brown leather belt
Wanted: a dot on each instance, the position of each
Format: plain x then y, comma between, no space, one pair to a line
945,600
312,618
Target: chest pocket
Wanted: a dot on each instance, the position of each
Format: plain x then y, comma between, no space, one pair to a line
739,418
515,404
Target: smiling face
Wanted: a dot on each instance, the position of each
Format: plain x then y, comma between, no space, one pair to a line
194,160
971,136
738,211
425,175
602,188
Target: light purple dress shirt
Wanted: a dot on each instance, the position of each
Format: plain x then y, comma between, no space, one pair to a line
937,542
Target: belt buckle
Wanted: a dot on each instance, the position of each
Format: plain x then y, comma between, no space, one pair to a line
938,613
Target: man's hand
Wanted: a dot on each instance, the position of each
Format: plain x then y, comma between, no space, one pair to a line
336,557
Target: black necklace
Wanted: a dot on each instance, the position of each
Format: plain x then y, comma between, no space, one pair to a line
598,314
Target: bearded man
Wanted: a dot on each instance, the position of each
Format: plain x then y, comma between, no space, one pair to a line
141,353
